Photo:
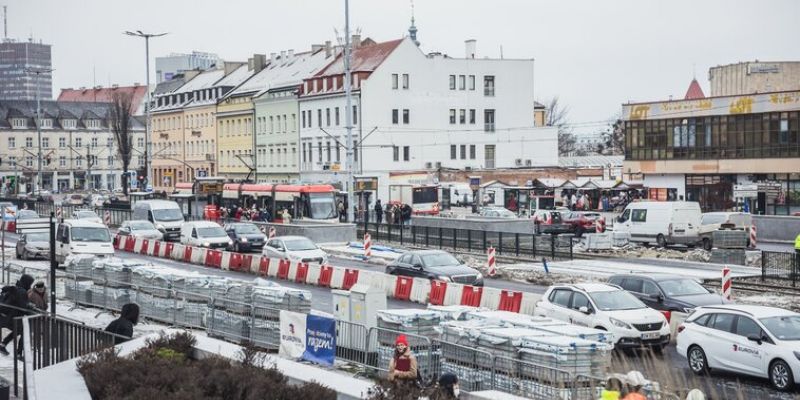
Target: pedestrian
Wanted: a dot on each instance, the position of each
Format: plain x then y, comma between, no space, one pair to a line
266,215
16,298
123,326
37,295
286,217
797,249
342,215
612,390
572,201
378,212
636,382
238,215
403,366
447,389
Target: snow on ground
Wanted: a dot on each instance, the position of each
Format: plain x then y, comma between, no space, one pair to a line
381,255
606,268
774,300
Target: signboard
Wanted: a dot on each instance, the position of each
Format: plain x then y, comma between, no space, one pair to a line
310,337
33,225
201,173
9,213
763,68
293,334
366,183
474,182
745,191
336,167
210,188
725,105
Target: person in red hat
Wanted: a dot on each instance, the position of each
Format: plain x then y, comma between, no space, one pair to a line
403,367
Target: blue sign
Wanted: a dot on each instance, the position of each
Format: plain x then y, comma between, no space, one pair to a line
320,340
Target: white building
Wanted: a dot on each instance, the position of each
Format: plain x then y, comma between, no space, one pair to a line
176,63
414,114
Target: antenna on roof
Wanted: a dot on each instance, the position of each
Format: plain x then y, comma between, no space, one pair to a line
694,70
501,51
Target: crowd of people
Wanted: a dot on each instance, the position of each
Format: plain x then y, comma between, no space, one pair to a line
394,213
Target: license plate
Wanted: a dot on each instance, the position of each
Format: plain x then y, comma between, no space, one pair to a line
650,335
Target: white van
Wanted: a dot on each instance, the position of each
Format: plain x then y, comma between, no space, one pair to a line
661,222
82,237
167,216
205,234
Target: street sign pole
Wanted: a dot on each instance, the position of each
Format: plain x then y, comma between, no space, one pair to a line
53,264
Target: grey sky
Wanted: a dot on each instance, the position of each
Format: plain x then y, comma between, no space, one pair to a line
594,54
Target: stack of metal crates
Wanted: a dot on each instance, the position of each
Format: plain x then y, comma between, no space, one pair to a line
420,328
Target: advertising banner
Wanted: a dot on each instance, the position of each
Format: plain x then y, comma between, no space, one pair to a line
320,340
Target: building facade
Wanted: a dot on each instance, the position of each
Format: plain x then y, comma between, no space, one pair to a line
416,114
752,77
720,151
79,150
168,67
235,126
18,59
100,94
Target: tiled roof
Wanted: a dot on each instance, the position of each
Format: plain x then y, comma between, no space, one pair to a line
695,92
363,59
61,109
104,95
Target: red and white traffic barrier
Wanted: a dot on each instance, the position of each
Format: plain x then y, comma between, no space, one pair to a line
107,218
491,261
367,245
58,213
753,236
600,225
272,232
727,283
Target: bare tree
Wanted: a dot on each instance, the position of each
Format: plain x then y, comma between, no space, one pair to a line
613,139
557,115
120,119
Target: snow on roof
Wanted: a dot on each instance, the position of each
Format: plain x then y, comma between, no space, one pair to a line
365,58
550,182
237,77
203,80
285,71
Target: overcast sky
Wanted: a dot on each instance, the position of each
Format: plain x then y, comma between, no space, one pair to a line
593,54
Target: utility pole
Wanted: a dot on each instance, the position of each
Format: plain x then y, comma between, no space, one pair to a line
38,72
348,113
147,142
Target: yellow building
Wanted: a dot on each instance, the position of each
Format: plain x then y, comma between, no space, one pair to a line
235,124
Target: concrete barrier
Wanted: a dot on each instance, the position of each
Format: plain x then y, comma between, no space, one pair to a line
776,228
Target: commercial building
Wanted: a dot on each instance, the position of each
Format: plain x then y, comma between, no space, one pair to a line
18,61
168,67
721,151
78,148
752,77
415,114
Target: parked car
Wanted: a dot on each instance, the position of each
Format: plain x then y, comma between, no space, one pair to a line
205,234
497,212
609,308
140,229
580,221
75,199
295,248
82,237
167,216
434,264
744,339
667,292
97,200
661,222
713,221
246,236
27,214
33,245
549,221
87,215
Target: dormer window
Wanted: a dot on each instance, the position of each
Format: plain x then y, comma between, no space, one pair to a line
69,123
47,123
18,123
92,123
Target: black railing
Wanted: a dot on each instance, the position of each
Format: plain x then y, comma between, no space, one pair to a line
526,245
780,265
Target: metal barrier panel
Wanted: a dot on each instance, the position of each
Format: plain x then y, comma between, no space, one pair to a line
351,342
779,265
472,366
530,380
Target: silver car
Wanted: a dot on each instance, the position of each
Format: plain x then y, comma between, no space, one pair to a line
33,245
140,229
295,248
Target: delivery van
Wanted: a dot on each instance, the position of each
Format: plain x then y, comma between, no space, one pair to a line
82,237
205,234
661,222
167,216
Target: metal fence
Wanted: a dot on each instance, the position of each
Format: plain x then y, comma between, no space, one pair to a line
780,265
552,246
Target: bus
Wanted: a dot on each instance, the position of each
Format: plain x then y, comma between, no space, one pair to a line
423,199
307,202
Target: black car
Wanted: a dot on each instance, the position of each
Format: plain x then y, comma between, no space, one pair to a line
245,236
667,292
434,264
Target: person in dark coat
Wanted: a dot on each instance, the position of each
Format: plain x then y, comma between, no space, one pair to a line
447,389
16,297
378,211
38,296
123,326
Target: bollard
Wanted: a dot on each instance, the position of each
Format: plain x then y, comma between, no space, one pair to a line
367,245
58,213
600,225
726,283
753,237
271,232
490,262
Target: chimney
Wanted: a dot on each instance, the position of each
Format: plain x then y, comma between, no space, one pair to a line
283,56
273,58
469,46
290,54
327,48
259,61
316,47
356,41
230,67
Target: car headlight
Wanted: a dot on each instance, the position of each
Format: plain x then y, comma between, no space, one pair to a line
618,323
206,244
244,240
230,242
688,310
160,227
797,354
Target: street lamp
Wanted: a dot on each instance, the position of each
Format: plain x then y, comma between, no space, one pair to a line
38,72
147,164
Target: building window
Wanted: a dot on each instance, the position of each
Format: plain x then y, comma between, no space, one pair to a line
488,85
472,116
395,153
319,117
62,161
45,142
406,151
69,123
78,142
472,152
394,81
139,142
62,142
355,114
319,149
462,82
28,142
338,153
327,117
79,161
488,120
304,118
47,123
110,141
12,143
784,132
18,123
285,123
471,82
463,152
452,116
110,161
395,116
328,151
29,161
336,115
94,142
405,81
462,116
406,116
452,152
452,82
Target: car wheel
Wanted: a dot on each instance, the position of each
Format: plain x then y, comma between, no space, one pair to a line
697,360
780,375
707,245
661,241
579,231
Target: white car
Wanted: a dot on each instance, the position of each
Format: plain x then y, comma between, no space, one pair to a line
295,248
88,216
497,212
746,339
609,308
140,229
205,234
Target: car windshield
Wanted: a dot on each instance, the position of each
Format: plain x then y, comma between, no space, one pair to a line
38,237
299,244
616,300
211,232
246,229
322,206
142,226
86,214
90,235
785,327
682,287
439,260
168,214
